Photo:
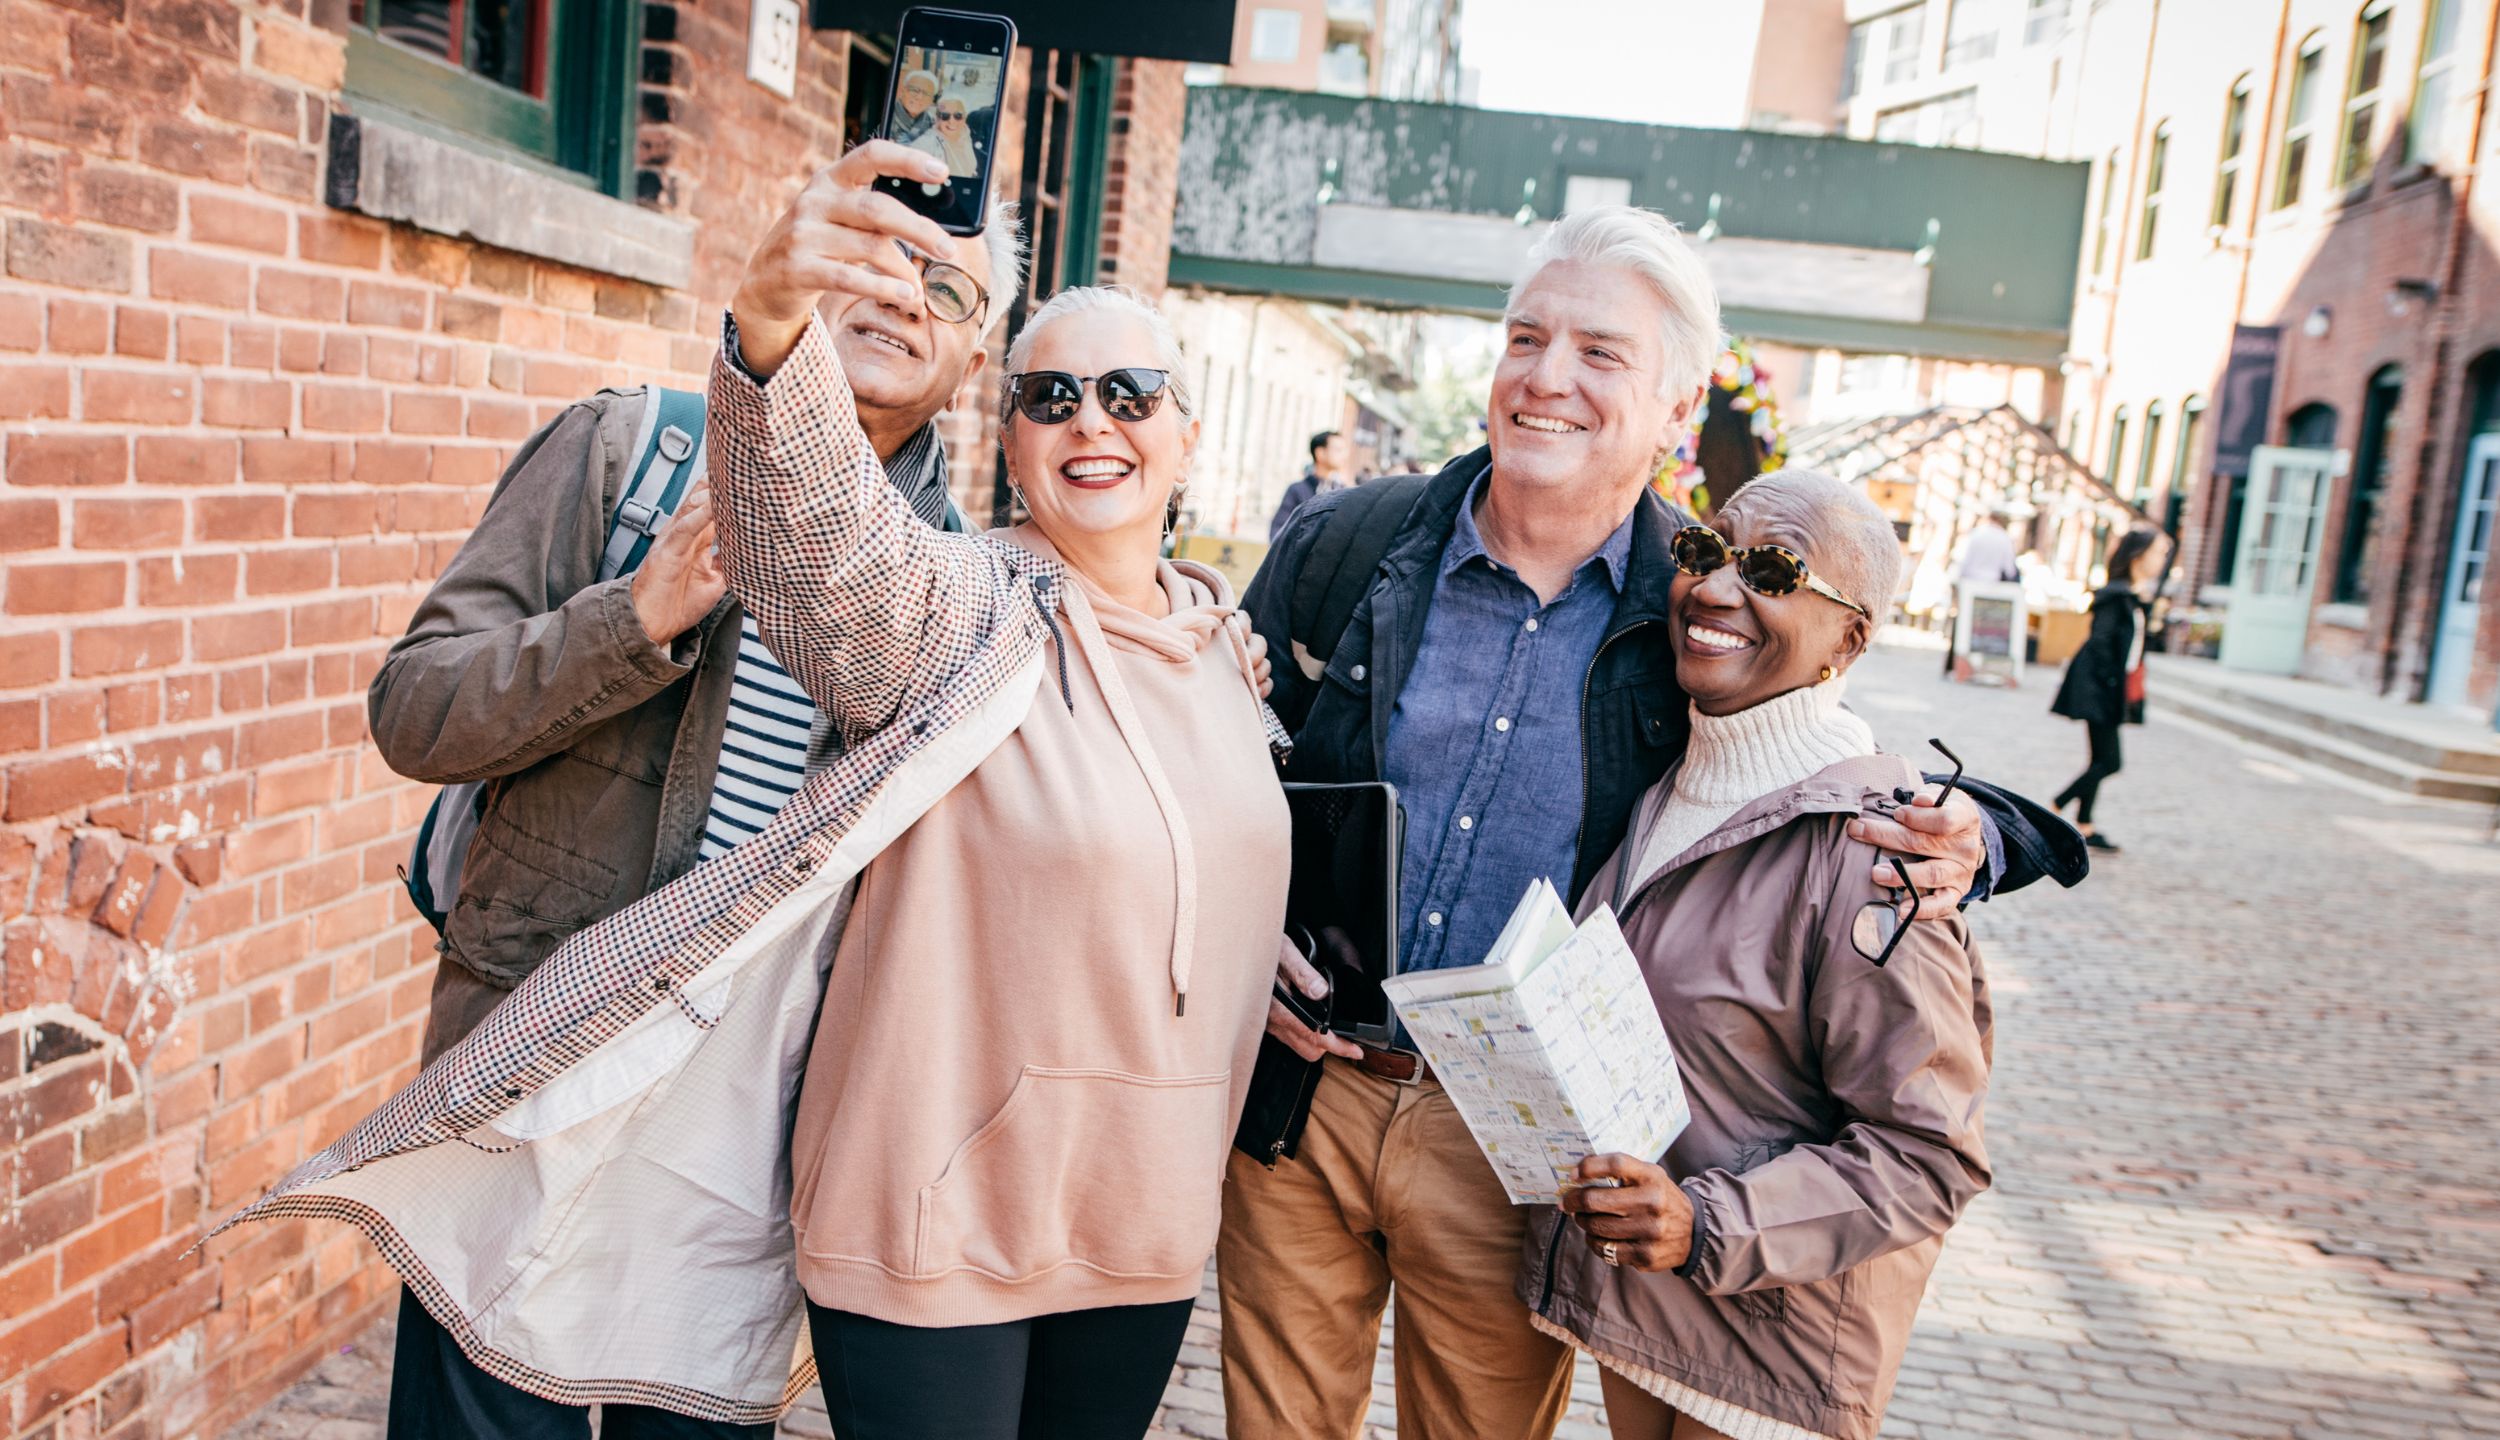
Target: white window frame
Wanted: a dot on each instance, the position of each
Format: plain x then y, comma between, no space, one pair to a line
2363,105
2300,121
2234,152
2156,163
1267,24
2426,120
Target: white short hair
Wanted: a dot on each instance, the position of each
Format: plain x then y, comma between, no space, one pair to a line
1846,538
918,78
1088,300
1003,236
1647,244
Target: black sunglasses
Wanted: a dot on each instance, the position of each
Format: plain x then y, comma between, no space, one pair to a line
1052,397
1773,570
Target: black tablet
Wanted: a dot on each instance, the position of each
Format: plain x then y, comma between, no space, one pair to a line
1346,842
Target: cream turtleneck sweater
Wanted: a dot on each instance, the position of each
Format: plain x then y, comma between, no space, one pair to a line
1734,760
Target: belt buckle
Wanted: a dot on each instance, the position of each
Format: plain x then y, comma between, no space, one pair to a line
1414,1076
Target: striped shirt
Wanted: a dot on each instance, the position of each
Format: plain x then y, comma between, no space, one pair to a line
763,755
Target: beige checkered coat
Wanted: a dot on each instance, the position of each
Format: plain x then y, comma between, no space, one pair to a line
591,1191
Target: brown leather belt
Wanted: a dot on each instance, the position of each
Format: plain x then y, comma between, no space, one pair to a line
1405,1067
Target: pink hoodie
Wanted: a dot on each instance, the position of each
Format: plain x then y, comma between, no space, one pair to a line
1048,994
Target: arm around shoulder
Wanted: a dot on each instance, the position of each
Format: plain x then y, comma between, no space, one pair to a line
518,646
1904,1049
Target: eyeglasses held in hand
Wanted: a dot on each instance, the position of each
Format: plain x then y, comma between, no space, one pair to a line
953,295
1052,397
1772,570
1879,926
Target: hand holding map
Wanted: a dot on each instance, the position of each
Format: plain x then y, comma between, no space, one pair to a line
1552,1049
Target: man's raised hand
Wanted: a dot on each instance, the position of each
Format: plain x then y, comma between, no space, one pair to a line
838,236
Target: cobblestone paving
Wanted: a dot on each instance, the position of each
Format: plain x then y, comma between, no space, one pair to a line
2246,1175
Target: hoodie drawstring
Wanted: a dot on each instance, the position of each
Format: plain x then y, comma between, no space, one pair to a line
1141,746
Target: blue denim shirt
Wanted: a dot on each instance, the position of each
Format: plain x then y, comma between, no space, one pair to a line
1484,742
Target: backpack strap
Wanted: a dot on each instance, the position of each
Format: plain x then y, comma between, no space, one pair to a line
1337,573
668,455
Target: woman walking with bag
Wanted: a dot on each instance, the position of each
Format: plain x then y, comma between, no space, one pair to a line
2104,684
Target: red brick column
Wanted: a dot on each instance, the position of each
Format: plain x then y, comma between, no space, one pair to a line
240,432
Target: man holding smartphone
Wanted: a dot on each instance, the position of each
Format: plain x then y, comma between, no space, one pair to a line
1501,654
688,735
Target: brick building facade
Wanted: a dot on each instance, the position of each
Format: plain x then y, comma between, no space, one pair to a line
2308,165
241,426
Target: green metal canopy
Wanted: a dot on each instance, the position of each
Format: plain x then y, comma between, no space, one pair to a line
1814,241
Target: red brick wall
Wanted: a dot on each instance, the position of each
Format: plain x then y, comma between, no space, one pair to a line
1149,106
239,433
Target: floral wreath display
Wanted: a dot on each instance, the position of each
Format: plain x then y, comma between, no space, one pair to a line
1742,385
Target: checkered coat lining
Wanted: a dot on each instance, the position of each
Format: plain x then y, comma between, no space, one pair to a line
590,1191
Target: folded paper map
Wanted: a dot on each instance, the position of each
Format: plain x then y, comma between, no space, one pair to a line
1551,1049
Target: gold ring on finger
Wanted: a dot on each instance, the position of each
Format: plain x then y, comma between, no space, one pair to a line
1608,1253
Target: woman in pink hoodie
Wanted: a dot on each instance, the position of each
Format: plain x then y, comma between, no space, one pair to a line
1049,988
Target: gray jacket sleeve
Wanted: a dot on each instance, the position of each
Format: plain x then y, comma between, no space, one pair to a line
1905,1053
515,651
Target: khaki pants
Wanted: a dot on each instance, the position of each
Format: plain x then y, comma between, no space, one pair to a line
1388,1187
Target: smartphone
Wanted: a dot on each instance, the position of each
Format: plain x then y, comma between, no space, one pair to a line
950,75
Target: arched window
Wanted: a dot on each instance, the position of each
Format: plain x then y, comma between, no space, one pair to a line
2182,455
2369,71
2434,84
2117,447
2148,455
2234,143
2154,165
2100,228
2300,120
2311,427
2375,453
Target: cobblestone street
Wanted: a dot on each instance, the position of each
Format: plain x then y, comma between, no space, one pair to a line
2241,1117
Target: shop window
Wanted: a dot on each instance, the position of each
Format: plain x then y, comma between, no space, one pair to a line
2182,456
2369,72
549,81
2369,485
2300,121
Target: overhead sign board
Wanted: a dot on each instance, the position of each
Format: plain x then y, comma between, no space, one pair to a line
1167,30
1781,275
2247,396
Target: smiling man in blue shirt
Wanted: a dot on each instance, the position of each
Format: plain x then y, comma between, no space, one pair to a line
1508,666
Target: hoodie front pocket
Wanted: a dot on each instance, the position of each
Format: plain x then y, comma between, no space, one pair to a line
1121,1173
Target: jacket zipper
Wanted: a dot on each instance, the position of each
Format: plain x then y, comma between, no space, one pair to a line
1301,1110
1580,833
1553,1260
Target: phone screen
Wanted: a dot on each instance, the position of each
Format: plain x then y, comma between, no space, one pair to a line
950,74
